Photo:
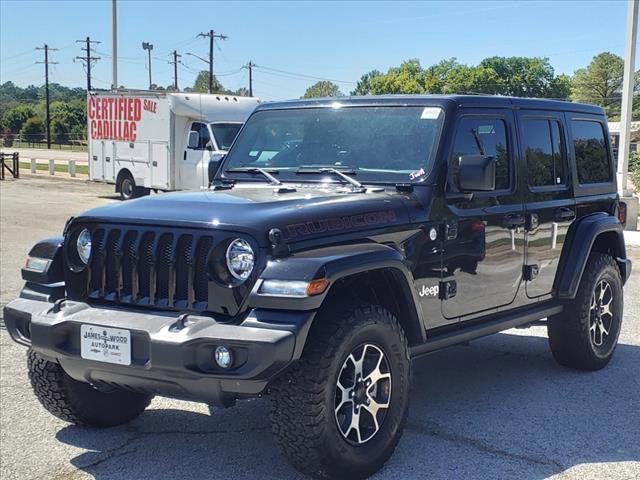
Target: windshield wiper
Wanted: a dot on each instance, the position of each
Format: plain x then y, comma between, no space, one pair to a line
270,178
334,171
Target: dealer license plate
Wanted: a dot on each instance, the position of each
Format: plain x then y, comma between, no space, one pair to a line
103,344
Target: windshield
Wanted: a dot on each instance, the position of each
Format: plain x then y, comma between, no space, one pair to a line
225,133
384,144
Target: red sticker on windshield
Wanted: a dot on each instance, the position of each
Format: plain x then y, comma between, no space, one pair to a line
416,173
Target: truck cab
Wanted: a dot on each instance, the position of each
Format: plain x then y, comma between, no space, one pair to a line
206,144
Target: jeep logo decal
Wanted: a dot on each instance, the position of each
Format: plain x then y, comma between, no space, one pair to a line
429,291
334,224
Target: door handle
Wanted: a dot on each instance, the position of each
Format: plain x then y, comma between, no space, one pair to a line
513,221
564,214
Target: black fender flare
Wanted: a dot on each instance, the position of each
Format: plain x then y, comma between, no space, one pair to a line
47,285
335,263
48,249
578,246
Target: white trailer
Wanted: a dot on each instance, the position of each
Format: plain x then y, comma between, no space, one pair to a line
142,140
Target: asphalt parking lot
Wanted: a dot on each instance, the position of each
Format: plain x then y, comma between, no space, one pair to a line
498,408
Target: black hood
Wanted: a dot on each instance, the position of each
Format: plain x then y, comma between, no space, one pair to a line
312,210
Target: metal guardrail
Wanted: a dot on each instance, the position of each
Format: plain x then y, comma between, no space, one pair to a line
14,169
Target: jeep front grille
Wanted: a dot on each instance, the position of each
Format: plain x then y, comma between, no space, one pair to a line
165,269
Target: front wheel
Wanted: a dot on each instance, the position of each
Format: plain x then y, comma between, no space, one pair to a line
77,402
340,410
585,334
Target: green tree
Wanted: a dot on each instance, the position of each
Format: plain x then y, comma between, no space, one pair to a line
14,118
409,77
471,80
527,77
363,87
600,83
65,117
323,88
241,92
33,129
201,84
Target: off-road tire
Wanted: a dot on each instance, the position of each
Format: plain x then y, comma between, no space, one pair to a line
302,415
569,335
78,402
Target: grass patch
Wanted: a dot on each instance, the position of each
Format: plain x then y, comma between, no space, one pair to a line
59,167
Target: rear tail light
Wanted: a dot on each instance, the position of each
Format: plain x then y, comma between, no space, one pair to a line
622,213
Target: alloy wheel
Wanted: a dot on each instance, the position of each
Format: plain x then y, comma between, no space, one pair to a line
601,313
363,394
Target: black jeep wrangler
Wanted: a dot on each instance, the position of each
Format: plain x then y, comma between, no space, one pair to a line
339,240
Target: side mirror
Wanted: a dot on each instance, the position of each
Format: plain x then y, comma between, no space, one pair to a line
477,173
194,140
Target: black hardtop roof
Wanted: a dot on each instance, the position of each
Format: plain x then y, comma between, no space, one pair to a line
487,101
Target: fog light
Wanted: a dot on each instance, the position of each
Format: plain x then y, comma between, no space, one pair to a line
224,357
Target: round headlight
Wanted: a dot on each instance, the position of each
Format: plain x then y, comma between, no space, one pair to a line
83,245
240,259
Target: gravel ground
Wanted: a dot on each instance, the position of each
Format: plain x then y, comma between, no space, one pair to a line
499,408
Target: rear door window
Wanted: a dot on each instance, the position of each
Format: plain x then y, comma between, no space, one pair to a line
483,136
590,146
543,152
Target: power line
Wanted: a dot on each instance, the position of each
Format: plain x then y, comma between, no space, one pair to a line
302,75
212,36
46,79
88,59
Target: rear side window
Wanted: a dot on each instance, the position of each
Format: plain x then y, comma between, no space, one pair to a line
482,136
592,160
543,151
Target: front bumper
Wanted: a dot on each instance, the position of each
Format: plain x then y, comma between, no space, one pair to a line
171,355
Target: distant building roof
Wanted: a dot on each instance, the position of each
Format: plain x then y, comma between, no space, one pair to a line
614,127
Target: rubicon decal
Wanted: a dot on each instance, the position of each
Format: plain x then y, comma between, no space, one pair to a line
116,118
334,224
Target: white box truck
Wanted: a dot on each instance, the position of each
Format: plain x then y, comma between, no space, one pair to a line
142,140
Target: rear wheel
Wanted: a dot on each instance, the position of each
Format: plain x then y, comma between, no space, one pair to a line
340,410
585,334
127,187
78,402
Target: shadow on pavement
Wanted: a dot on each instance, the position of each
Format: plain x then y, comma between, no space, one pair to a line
499,408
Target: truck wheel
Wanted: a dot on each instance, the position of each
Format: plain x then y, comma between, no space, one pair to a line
127,187
585,334
340,410
77,402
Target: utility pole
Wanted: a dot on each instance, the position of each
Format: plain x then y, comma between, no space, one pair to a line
148,47
88,59
627,98
46,82
176,56
212,35
250,67
114,44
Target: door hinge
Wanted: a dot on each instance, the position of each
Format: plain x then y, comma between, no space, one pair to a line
447,289
530,272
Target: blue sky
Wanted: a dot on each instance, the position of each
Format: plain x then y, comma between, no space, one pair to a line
335,40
